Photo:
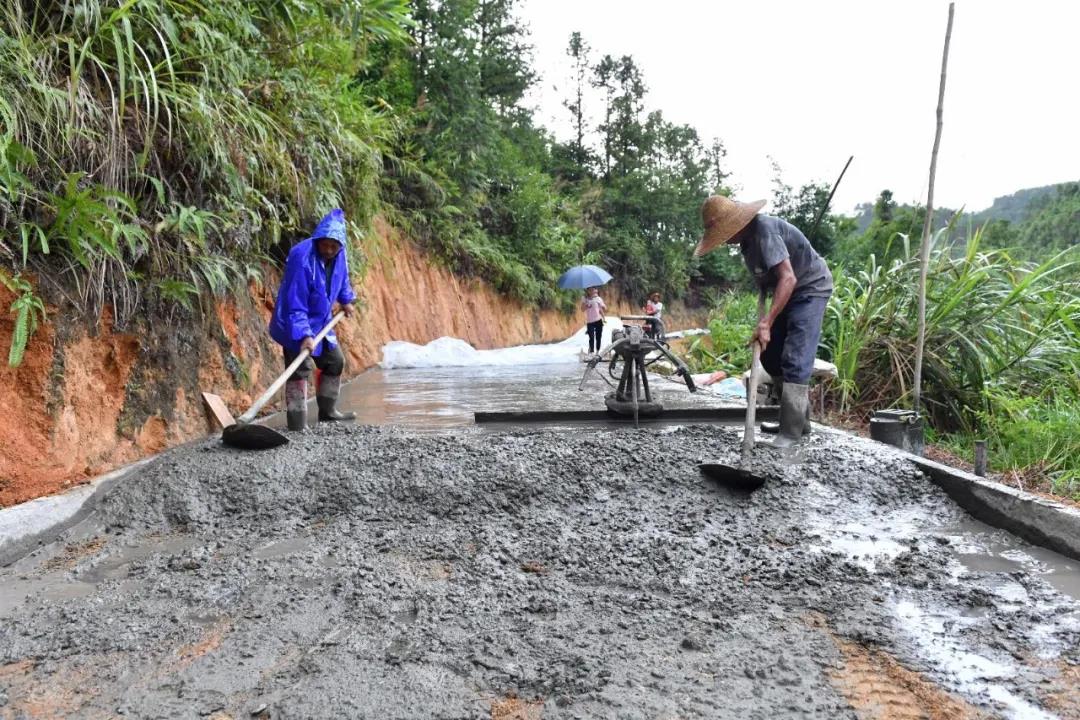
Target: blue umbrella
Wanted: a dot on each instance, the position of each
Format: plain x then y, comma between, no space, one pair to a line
580,277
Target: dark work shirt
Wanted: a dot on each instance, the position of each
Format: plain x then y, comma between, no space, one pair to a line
770,242
328,267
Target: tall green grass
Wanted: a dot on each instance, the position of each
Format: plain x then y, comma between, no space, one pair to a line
731,322
163,146
1002,352
994,324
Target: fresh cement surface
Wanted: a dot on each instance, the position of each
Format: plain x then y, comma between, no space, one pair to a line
38,521
381,572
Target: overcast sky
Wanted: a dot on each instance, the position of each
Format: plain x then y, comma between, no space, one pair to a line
810,83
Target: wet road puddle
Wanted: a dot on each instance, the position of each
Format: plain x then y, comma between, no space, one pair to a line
1004,568
972,674
283,548
982,550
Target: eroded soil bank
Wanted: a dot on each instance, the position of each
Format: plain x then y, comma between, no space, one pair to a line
89,396
379,573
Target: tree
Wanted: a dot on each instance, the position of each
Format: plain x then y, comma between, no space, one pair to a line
801,209
1052,223
888,235
717,153
624,127
578,50
604,80
504,55
884,206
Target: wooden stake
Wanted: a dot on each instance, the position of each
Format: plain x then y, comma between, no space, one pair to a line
924,250
980,458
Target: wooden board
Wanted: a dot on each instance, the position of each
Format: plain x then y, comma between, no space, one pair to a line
216,410
733,415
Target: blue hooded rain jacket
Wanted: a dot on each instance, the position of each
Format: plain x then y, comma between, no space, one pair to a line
305,298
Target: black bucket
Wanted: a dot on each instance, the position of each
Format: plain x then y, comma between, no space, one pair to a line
899,428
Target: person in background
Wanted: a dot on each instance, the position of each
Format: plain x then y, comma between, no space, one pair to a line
655,309
316,277
781,260
594,308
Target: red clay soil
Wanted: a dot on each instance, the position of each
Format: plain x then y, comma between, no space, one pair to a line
92,401
43,452
24,424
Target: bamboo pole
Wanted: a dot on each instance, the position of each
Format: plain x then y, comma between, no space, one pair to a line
924,250
821,212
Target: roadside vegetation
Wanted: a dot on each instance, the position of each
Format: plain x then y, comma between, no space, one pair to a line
1003,349
156,153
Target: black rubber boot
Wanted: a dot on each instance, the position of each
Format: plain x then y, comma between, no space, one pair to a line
326,397
296,404
771,428
794,410
329,413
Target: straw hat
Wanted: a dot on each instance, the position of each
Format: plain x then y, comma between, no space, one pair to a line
723,218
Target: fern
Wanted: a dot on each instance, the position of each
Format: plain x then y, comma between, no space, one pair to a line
28,308
19,337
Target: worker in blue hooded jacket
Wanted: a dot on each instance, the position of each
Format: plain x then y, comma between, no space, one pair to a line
316,276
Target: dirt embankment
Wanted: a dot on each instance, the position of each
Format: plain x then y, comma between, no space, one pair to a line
86,400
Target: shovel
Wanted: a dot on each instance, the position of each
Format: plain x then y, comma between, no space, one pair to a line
246,435
741,477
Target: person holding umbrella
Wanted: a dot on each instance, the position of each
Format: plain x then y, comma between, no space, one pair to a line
589,278
594,308
780,259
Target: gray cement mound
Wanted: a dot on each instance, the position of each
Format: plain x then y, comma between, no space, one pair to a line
375,573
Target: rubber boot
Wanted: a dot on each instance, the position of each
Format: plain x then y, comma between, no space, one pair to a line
775,390
794,409
326,397
296,404
772,428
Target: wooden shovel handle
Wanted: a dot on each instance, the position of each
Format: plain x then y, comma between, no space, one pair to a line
266,396
751,392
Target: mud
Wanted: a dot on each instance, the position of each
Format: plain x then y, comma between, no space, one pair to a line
383,573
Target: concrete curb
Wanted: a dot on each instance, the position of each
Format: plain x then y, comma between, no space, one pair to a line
37,522
1038,520
1041,522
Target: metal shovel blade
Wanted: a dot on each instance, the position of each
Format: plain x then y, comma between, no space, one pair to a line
249,436
732,476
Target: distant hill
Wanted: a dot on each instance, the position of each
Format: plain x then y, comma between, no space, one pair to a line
865,214
1014,208
1034,223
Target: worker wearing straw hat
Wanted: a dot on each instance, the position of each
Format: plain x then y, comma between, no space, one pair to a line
782,261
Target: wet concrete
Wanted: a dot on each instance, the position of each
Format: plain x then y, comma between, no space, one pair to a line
440,399
389,573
